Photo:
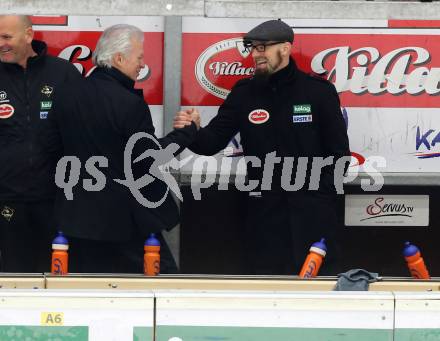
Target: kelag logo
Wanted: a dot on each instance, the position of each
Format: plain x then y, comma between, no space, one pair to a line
426,140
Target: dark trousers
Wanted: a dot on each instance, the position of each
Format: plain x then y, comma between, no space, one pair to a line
281,228
26,234
96,256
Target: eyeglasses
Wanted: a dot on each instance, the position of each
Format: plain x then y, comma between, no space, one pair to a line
259,47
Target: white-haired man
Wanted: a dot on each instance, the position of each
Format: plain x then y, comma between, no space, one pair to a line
96,117
29,78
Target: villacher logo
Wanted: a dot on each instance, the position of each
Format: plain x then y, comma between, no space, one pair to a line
220,60
382,209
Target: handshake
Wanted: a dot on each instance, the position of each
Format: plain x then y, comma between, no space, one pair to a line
184,118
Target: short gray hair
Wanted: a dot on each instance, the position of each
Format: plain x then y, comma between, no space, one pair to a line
115,39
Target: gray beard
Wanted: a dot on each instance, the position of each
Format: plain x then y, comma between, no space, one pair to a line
261,76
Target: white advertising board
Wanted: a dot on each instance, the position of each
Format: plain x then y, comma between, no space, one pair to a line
386,210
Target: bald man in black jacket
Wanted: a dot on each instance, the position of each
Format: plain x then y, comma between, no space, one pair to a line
283,114
29,79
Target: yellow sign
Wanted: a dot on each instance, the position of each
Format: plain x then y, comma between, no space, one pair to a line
52,319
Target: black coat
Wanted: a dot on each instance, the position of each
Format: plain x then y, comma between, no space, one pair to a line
302,118
95,117
26,169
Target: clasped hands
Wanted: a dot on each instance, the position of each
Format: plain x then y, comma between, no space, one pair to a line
185,117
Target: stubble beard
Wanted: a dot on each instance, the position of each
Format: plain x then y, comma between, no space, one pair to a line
264,74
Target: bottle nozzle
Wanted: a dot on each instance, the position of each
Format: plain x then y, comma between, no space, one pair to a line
60,241
152,240
320,246
410,249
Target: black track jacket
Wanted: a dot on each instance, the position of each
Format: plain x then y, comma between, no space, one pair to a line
96,116
26,169
292,114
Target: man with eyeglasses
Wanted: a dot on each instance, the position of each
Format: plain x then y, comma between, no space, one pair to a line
282,115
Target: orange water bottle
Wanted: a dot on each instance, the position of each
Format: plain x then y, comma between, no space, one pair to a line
416,265
60,257
152,256
314,260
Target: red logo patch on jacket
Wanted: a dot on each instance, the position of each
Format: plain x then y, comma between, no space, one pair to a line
258,116
6,111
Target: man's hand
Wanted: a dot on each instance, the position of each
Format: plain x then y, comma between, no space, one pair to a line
184,118
195,116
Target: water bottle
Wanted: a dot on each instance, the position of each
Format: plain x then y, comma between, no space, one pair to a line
152,256
314,260
60,257
416,265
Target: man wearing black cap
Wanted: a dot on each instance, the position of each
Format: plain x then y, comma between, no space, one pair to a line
282,114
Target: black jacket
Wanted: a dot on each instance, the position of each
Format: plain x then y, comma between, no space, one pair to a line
26,170
96,116
301,117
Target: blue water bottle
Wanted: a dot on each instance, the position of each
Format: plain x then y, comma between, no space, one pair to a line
60,257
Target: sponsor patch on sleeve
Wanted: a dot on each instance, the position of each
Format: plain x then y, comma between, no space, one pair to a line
258,116
300,109
302,118
46,105
3,97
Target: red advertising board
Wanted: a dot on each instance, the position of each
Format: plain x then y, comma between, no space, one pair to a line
77,40
387,74
368,70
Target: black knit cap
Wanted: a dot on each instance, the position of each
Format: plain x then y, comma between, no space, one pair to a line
272,30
